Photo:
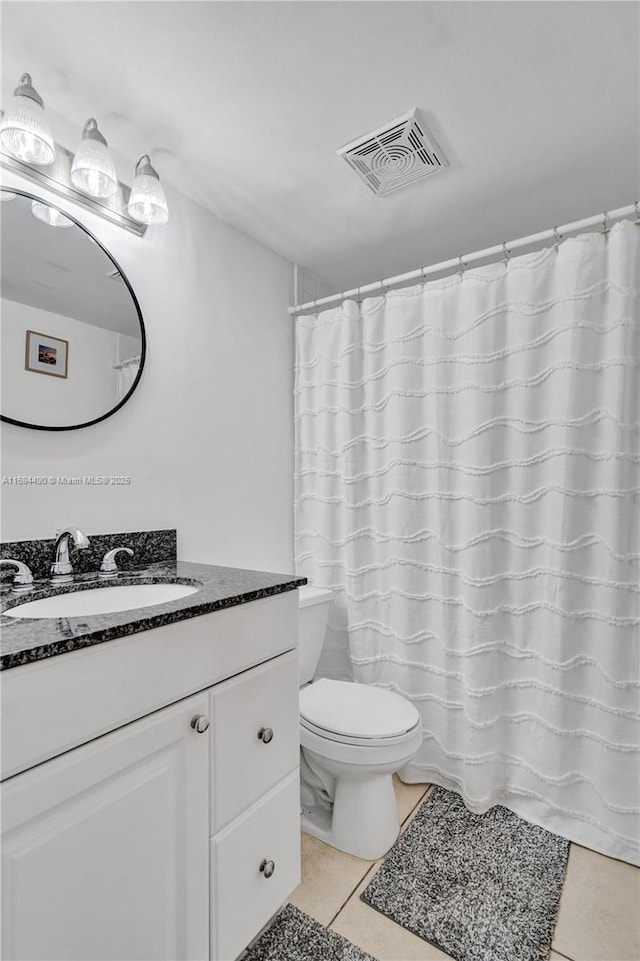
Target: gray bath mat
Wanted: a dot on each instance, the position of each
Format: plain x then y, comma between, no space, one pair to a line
294,936
481,887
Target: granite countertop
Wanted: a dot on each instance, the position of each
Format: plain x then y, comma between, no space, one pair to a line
29,639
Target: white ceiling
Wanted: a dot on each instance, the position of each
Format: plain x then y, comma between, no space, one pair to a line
243,106
61,270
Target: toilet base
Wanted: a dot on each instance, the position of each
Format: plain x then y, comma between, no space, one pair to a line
364,819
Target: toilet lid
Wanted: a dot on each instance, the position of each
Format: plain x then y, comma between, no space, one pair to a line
356,710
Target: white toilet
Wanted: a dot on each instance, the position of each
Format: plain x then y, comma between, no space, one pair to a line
352,738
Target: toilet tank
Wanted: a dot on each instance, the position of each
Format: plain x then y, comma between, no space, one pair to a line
313,613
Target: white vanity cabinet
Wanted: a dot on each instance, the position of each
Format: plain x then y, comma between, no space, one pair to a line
161,837
102,848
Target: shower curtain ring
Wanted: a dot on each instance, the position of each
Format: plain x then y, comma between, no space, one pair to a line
637,209
606,228
556,239
505,252
424,276
384,289
461,266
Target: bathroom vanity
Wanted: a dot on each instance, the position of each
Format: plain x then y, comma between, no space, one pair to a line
150,796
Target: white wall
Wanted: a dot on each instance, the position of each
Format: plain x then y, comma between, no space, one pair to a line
207,438
88,391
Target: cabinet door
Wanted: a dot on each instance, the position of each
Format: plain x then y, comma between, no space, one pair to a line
255,739
104,849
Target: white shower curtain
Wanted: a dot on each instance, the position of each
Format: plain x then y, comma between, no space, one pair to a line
467,482
126,376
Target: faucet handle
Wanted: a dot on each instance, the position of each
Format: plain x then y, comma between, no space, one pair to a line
109,568
23,579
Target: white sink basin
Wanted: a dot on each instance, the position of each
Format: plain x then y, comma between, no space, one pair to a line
105,600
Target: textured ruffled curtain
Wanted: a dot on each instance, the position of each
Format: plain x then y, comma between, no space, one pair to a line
126,377
467,482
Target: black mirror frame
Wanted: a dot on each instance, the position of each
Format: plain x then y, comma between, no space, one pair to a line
143,335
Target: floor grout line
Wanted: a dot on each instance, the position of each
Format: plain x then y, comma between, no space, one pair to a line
560,954
352,892
417,804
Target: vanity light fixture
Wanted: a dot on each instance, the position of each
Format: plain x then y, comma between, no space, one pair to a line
89,178
92,170
147,202
24,130
49,215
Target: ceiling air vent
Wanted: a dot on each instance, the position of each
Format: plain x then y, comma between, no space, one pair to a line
395,155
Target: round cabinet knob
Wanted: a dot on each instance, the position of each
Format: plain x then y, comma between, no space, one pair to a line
267,868
200,723
265,734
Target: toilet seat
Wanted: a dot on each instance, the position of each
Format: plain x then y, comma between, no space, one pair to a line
359,714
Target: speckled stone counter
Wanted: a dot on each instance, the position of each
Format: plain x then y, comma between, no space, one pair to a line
29,639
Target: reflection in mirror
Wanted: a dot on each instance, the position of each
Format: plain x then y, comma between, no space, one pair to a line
72,338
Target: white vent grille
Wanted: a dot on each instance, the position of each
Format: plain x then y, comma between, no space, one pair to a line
395,155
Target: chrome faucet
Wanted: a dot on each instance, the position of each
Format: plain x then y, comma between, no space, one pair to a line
23,579
61,569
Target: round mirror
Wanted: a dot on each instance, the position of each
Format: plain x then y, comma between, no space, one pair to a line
72,336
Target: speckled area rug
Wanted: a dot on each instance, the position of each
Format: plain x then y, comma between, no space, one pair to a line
294,936
481,887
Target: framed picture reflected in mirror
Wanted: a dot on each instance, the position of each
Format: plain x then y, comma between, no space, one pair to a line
45,354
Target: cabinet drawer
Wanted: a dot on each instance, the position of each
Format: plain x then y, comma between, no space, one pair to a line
243,896
244,766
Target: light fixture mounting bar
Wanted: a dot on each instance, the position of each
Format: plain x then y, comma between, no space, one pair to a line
56,177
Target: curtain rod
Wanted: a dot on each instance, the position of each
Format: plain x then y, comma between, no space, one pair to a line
465,259
129,362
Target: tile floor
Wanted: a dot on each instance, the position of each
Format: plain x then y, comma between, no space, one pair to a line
599,918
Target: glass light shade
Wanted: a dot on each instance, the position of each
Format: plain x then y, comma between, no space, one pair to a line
49,215
7,195
147,202
25,131
92,170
